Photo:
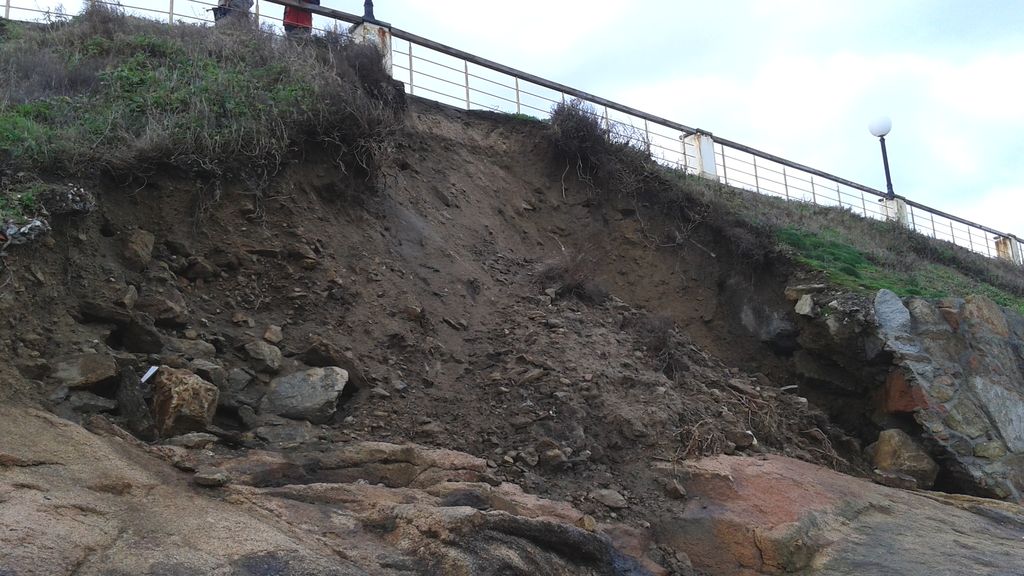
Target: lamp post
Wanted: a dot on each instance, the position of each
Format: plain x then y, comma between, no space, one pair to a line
880,127
368,10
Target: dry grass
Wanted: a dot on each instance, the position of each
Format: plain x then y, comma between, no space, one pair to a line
108,93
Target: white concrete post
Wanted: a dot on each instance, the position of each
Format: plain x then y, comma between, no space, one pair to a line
1008,248
366,32
704,148
896,209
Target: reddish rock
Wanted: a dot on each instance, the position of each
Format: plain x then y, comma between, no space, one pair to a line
902,396
182,402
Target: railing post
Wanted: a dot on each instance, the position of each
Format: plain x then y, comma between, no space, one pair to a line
863,204
757,183
896,209
7,10
814,195
367,32
519,109
785,182
465,72
170,12
839,195
704,148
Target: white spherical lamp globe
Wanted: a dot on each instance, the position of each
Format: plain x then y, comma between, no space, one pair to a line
880,126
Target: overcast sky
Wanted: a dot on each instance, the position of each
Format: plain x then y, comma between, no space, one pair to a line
797,78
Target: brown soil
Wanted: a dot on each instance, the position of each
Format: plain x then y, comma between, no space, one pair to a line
432,284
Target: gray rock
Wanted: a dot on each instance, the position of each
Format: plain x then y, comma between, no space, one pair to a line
309,395
85,371
805,306
192,440
211,477
191,348
265,357
892,316
609,498
167,308
86,402
287,434
209,371
131,401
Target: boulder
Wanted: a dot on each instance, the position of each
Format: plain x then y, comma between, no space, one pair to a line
805,306
85,402
321,352
182,402
308,395
896,452
131,402
265,356
85,371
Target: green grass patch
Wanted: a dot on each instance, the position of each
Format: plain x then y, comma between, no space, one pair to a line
850,268
108,92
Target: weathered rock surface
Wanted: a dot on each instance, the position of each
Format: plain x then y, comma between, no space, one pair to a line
308,395
138,248
85,371
955,366
265,357
775,515
182,402
76,503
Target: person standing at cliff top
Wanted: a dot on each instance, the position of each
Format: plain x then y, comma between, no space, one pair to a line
298,22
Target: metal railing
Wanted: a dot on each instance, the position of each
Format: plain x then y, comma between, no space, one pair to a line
458,78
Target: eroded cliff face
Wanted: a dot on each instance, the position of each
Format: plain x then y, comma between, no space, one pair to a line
947,372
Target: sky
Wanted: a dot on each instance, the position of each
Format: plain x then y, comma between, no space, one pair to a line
800,79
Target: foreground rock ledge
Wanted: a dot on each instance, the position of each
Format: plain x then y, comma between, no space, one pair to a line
775,515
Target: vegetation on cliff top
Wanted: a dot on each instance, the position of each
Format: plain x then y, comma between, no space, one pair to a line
853,252
108,93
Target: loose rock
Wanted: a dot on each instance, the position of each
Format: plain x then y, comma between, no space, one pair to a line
182,402
266,357
309,395
609,498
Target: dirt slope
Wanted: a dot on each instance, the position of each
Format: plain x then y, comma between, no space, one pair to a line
436,293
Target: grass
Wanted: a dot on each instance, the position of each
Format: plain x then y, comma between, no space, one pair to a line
108,93
19,204
854,252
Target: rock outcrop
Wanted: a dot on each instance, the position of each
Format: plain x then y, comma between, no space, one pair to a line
774,515
77,503
953,367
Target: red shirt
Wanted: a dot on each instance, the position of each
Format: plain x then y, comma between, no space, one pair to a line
298,16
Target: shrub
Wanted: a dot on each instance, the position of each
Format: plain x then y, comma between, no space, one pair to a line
105,92
573,275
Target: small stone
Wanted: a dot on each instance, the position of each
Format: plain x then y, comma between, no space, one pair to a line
200,268
209,371
552,458
805,306
166,309
211,477
192,440
587,522
266,357
993,450
743,439
380,392
609,498
673,488
129,298
273,334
